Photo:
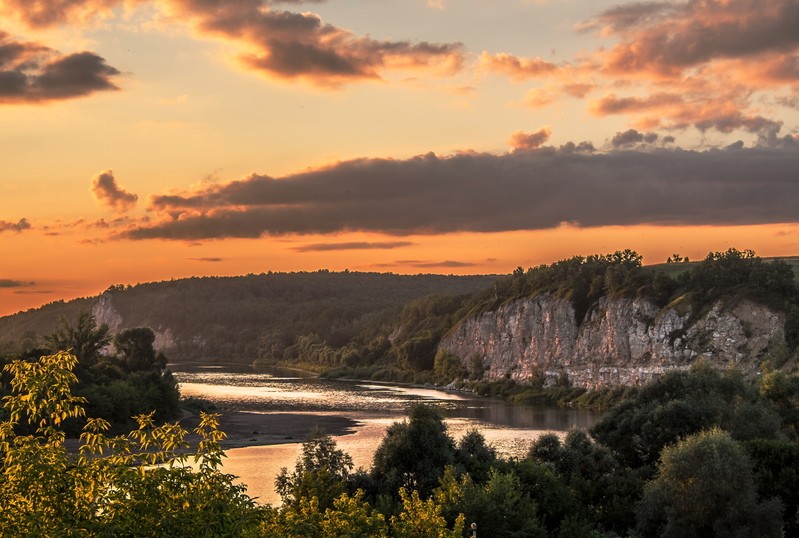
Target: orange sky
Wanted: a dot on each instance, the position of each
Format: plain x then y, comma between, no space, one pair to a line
147,140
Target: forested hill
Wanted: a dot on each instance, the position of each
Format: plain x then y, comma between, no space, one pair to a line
244,318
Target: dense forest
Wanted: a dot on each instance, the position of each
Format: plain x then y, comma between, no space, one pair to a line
249,317
697,453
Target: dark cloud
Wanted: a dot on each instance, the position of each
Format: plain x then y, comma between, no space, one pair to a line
362,245
671,38
300,45
432,264
611,104
630,15
20,225
631,138
106,191
210,259
32,292
8,283
30,73
478,192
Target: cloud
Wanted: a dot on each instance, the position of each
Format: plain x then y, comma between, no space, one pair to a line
432,264
106,191
281,44
631,138
44,13
359,245
8,283
33,73
426,264
33,292
207,259
712,65
20,225
300,46
515,67
668,39
525,141
479,192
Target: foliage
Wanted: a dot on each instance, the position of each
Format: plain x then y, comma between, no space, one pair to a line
133,485
499,504
414,453
682,403
422,519
704,487
321,472
776,472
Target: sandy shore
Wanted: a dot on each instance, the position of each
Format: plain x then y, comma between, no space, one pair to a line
251,429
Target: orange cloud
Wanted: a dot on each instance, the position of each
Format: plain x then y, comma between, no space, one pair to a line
301,46
515,67
526,141
43,13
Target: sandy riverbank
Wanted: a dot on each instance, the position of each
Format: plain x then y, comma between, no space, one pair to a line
251,429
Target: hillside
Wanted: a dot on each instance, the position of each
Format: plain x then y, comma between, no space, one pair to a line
247,317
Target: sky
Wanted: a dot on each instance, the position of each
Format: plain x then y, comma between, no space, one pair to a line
144,140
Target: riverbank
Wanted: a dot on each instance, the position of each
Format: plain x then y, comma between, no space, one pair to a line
244,429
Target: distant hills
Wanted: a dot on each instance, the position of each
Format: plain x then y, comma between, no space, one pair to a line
243,318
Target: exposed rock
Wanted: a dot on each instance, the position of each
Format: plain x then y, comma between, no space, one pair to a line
620,342
104,312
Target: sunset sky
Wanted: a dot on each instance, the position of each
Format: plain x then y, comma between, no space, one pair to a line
145,140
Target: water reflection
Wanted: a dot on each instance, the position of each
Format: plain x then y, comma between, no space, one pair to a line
510,428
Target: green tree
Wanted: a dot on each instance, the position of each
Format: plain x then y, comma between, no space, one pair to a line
85,339
137,350
705,487
321,472
132,485
422,519
414,453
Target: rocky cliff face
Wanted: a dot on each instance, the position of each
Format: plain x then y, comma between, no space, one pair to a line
620,342
104,312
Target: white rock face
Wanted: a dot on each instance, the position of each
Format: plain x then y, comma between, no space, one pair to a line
620,342
104,312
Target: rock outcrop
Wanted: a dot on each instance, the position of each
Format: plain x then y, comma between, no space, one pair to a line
620,341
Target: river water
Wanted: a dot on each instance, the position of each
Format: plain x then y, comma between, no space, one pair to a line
509,427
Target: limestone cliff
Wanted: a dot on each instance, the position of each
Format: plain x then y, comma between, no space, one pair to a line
105,312
620,341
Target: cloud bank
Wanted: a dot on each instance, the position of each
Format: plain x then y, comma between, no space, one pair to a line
478,192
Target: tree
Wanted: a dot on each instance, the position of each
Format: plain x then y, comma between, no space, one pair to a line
137,350
85,338
321,472
705,487
132,485
414,453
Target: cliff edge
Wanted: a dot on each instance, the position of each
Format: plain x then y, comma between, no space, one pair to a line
619,342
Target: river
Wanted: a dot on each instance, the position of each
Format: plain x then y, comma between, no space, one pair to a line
509,427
